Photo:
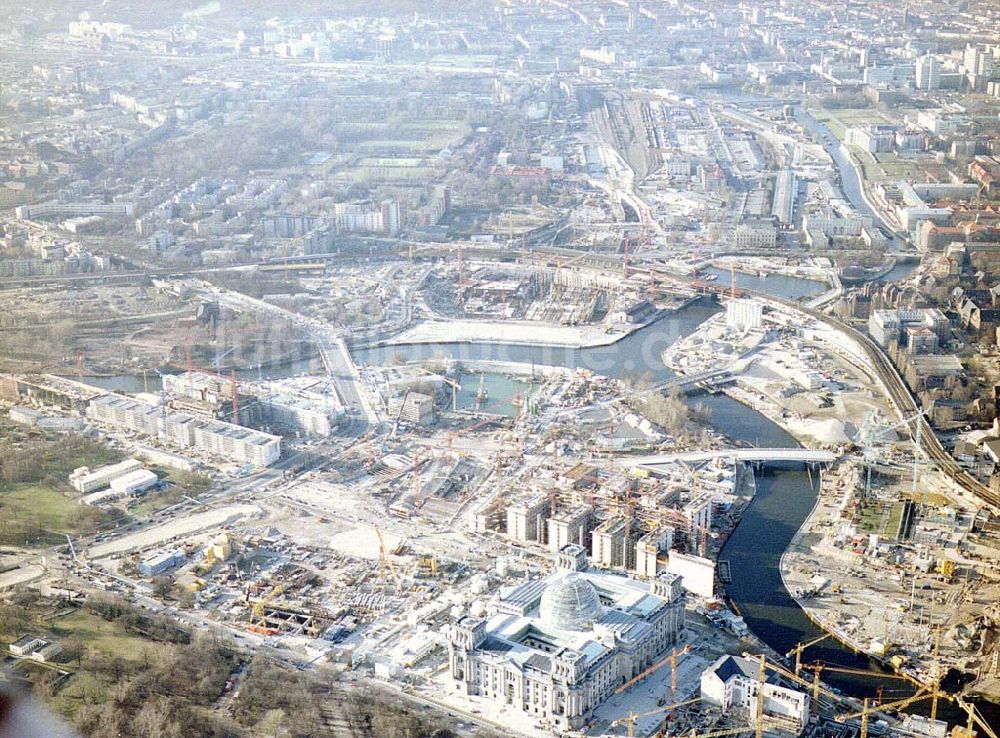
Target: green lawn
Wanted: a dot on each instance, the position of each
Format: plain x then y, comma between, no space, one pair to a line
33,514
102,640
103,637
839,119
870,519
895,515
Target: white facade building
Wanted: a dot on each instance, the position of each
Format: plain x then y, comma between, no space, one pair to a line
732,683
928,71
312,415
137,481
84,480
744,315
755,237
556,647
232,442
697,574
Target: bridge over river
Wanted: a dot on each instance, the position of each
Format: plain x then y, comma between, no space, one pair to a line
752,455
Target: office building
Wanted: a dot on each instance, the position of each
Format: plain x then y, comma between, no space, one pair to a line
526,519
137,481
569,526
928,72
733,683
160,562
417,408
887,326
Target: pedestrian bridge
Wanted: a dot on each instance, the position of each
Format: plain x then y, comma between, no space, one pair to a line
753,455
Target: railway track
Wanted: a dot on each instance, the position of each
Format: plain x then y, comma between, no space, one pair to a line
906,404
899,393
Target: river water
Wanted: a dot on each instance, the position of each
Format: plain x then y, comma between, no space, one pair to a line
785,493
772,283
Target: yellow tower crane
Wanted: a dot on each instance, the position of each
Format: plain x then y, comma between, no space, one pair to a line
888,707
975,720
258,621
385,564
630,719
671,659
933,689
802,647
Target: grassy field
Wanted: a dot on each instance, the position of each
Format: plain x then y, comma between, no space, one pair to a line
103,642
839,119
105,638
895,515
870,518
37,504
921,169
36,514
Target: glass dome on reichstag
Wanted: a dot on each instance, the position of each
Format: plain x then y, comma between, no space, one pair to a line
570,602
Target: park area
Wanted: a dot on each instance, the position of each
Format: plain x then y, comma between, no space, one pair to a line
37,504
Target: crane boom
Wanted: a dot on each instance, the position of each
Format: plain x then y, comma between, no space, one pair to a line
655,667
631,718
897,705
797,651
795,677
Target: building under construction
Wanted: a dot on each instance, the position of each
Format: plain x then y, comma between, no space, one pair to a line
624,521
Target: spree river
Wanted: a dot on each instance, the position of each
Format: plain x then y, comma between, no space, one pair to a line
785,494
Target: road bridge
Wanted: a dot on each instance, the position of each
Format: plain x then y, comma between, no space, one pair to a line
894,385
751,455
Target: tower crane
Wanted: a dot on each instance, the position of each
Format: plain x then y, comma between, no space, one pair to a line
814,685
975,719
891,706
933,689
818,667
867,436
384,562
802,647
671,659
455,387
258,620
630,719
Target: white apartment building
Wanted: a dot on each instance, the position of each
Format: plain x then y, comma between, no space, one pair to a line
226,440
236,443
310,416
84,480
744,314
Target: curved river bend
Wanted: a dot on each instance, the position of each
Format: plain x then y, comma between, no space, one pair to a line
785,493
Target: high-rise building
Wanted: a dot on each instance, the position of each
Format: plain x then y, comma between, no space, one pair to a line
928,72
744,314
